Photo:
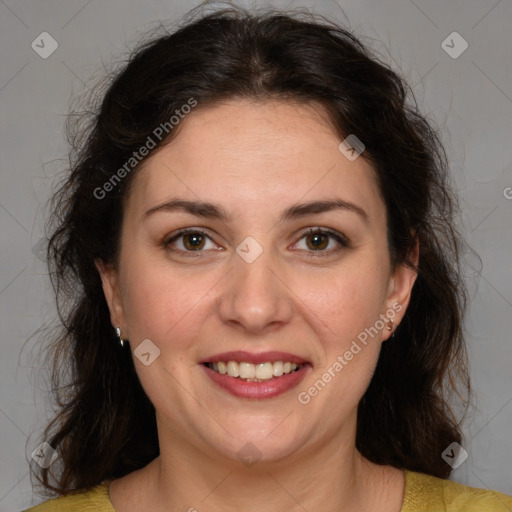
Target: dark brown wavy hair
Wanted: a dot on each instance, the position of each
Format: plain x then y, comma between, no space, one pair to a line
105,424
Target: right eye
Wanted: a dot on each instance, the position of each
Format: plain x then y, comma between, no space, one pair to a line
189,240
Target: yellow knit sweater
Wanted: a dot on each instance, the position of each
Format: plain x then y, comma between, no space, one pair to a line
423,493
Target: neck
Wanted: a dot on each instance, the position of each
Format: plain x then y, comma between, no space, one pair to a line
332,476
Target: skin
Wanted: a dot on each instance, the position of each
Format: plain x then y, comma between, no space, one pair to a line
255,159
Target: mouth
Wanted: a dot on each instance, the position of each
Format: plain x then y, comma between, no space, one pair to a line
256,376
261,372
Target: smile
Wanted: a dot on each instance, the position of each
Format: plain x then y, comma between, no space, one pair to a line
254,372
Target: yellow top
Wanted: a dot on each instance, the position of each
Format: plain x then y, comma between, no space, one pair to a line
423,493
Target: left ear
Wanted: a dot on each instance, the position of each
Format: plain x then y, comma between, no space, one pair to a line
400,288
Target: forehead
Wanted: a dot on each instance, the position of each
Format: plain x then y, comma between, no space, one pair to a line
261,154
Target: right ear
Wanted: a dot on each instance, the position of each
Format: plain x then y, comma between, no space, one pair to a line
112,292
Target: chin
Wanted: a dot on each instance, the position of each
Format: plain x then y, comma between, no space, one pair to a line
252,445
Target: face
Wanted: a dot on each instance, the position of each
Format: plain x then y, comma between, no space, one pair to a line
285,258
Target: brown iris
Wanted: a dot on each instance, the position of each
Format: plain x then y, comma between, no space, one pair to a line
318,243
193,241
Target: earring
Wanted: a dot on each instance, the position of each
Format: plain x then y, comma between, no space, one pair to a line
118,333
390,327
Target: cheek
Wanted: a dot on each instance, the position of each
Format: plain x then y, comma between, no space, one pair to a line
161,303
347,305
349,299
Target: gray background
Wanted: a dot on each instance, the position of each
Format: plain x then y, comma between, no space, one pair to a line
469,97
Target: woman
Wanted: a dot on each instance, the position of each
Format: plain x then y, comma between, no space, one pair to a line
257,257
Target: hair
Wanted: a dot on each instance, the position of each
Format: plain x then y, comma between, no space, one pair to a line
105,424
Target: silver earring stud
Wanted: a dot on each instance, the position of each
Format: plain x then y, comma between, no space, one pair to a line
118,333
391,328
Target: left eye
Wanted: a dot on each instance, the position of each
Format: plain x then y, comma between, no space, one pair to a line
319,240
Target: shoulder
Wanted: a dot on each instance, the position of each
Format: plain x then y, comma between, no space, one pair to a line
426,492
95,499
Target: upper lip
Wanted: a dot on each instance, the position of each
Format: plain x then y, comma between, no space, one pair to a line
260,357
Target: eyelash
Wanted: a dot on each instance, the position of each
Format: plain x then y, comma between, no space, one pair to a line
341,239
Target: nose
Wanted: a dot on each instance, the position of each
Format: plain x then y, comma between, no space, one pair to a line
256,299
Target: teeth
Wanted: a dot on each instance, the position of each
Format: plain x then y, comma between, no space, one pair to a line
247,370
232,369
264,371
277,369
254,372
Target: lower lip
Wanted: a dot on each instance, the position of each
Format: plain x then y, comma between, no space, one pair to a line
258,390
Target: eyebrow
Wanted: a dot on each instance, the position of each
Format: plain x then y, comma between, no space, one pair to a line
213,211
